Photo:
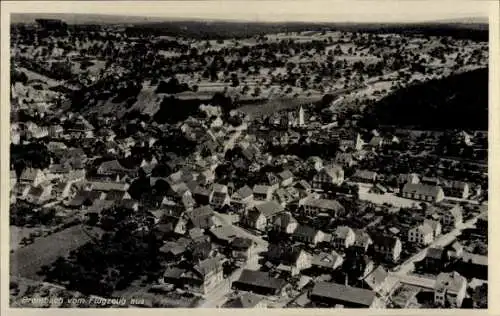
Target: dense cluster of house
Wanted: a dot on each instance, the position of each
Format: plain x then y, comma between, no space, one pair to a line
202,219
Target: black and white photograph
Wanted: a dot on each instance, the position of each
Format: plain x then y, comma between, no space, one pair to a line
248,154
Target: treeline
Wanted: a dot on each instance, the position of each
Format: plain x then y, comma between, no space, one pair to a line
225,29
459,101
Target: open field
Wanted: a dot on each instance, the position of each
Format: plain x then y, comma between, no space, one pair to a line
26,261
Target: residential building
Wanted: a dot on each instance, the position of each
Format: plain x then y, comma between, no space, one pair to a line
435,225
421,234
261,215
308,234
387,247
39,195
436,259
362,241
329,175
205,276
242,198
290,260
343,237
473,265
286,178
32,177
327,262
456,189
312,206
423,192
242,248
346,160
262,192
202,217
377,281
259,282
364,176
450,289
219,196
452,216
285,223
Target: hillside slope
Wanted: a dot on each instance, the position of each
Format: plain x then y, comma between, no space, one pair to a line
458,101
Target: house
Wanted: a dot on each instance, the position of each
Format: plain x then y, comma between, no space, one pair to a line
219,196
329,175
205,276
452,217
101,205
303,187
343,237
261,215
56,131
84,198
242,248
201,195
259,282
456,189
312,206
114,168
423,192
376,142
202,217
242,198
32,177
404,178
435,225
421,234
106,186
450,289
345,160
247,300
364,176
377,281
39,195
286,178
262,192
362,240
455,250
290,260
62,190
117,195
387,247
169,225
328,294
327,262
285,223
308,234
354,142
435,260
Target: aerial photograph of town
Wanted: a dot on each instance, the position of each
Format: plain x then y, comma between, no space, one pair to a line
171,163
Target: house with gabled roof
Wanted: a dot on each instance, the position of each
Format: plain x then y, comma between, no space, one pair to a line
423,192
451,216
327,261
421,234
262,192
387,247
242,198
204,276
259,282
329,175
290,260
362,240
343,237
312,206
32,177
285,223
450,289
308,234
286,178
219,196
261,215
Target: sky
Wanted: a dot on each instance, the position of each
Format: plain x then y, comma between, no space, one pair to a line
275,11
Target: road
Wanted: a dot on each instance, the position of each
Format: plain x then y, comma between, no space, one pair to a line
442,241
218,297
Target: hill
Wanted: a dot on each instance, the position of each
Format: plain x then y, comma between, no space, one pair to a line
458,101
474,29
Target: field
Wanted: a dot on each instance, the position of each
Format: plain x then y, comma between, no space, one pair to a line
26,261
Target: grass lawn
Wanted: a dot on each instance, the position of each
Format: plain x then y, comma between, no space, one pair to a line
27,261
